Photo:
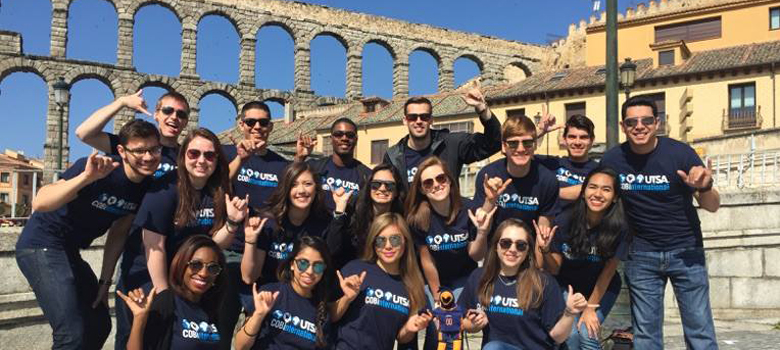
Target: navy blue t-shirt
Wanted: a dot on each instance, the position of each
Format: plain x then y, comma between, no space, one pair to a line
334,177
258,176
449,246
568,173
413,159
278,242
528,329
526,198
658,204
582,272
167,156
377,314
159,208
96,206
291,323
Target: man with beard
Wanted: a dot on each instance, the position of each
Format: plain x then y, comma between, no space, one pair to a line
95,193
456,148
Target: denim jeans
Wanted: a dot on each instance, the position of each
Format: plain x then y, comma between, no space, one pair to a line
646,275
65,288
579,339
499,345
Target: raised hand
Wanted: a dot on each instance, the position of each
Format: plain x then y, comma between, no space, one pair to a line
591,321
494,187
417,323
576,302
351,285
136,102
237,208
546,123
98,166
341,198
304,146
474,97
698,177
264,300
246,147
481,219
544,235
252,228
138,303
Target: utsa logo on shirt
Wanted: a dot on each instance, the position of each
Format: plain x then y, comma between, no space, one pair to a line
503,305
447,241
517,202
387,300
163,169
294,325
592,255
642,182
258,178
566,176
200,331
280,251
331,184
114,205
204,217
410,174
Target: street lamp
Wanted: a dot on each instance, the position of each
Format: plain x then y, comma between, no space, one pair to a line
61,92
627,76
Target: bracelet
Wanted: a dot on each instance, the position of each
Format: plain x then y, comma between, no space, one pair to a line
103,282
569,313
544,251
706,188
234,223
247,333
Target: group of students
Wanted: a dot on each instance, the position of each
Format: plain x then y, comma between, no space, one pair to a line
328,253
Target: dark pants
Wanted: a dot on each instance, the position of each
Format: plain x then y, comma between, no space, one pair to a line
130,278
231,305
65,288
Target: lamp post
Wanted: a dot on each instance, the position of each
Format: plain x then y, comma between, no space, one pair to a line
612,78
627,76
61,92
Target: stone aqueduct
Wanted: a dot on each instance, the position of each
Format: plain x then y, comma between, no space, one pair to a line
302,21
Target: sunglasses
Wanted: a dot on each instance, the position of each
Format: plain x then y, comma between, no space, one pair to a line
339,134
303,265
395,241
426,117
195,154
138,152
180,113
212,268
506,243
633,122
427,184
376,185
514,144
264,122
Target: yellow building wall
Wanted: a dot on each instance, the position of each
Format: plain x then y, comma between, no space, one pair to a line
739,26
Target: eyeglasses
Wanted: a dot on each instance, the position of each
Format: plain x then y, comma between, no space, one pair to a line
514,144
339,134
395,241
427,184
212,268
506,243
426,117
303,265
138,152
180,113
633,122
376,185
195,154
250,122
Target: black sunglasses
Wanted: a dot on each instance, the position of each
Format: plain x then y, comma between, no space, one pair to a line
250,122
426,117
212,268
514,144
339,134
395,241
506,243
195,154
303,265
427,184
377,184
180,113
632,122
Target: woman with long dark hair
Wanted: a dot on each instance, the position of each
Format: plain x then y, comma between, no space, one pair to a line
292,313
450,243
383,291
184,316
584,252
350,228
522,303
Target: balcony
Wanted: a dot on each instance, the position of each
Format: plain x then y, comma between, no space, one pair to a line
735,119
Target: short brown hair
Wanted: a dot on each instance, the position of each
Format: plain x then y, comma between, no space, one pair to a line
418,100
174,95
517,126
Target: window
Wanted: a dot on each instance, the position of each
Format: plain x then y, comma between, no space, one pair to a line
704,29
575,108
3,197
519,112
666,58
327,146
26,179
774,18
5,177
455,127
742,105
660,104
378,150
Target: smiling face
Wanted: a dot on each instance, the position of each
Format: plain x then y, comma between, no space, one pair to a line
578,143
516,153
343,137
387,253
303,190
640,134
199,282
200,159
308,278
435,183
418,128
599,193
511,258
256,132
141,154
383,195
171,124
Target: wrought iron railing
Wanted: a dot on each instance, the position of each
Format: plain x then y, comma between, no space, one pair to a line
746,170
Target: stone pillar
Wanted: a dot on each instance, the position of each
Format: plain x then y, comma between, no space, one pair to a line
189,37
492,74
401,76
56,125
59,28
246,66
446,76
124,116
354,75
303,66
124,52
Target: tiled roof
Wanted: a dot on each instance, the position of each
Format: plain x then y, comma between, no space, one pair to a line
9,162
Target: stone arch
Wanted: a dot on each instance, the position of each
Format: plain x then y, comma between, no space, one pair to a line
276,23
223,90
383,43
168,60
474,58
173,6
68,42
113,4
100,74
8,67
516,71
217,11
435,54
340,38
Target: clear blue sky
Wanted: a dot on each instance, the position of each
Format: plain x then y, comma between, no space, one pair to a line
92,36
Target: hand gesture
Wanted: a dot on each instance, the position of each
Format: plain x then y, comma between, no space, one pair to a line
477,318
136,102
494,187
591,321
698,177
544,235
546,123
351,285
417,323
252,228
481,219
237,208
102,295
341,197
304,146
138,303
264,300
576,302
474,97
98,166
246,147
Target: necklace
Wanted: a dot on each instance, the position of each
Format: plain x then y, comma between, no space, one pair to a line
511,282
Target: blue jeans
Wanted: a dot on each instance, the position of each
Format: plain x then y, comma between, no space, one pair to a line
646,275
579,339
499,345
65,288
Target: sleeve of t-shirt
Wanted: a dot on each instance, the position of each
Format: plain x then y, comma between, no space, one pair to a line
562,233
75,169
550,196
230,152
418,236
467,299
113,141
552,303
158,209
479,191
159,321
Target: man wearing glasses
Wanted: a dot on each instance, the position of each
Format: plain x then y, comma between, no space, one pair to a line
455,148
659,178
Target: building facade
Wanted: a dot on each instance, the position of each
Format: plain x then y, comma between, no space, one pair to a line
20,179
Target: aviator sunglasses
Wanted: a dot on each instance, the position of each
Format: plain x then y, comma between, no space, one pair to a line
264,122
303,265
514,144
632,122
180,113
381,241
212,268
506,243
427,184
195,154
377,184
